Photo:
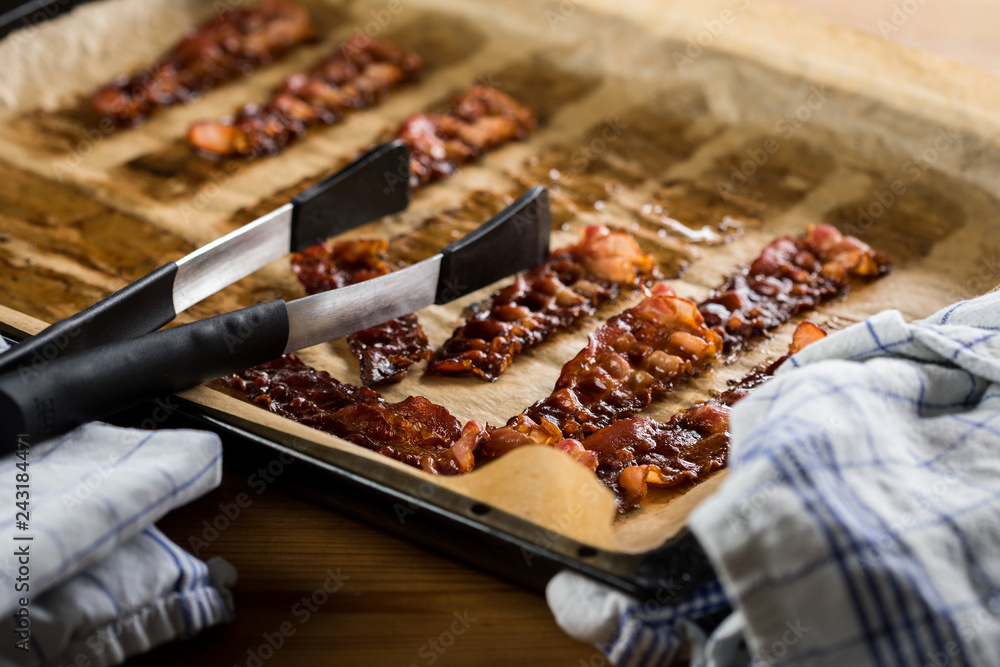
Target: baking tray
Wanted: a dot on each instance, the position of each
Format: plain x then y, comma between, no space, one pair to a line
443,520
851,115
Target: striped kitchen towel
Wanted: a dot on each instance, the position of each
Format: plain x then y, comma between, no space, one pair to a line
860,521
83,572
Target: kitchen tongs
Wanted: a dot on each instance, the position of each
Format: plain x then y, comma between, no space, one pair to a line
96,382
356,194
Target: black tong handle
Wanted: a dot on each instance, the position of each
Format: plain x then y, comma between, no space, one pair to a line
136,309
497,249
69,390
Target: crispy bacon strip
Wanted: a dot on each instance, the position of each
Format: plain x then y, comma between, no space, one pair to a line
327,266
633,454
479,120
223,48
637,354
386,351
611,379
789,277
553,296
414,431
357,75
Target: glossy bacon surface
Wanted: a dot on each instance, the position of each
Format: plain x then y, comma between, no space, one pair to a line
326,266
357,75
637,354
602,388
632,454
480,119
386,351
414,431
553,296
223,48
791,276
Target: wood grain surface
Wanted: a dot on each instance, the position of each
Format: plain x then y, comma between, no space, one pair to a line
397,603
400,604
401,597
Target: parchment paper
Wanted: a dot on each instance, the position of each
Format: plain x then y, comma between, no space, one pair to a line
697,95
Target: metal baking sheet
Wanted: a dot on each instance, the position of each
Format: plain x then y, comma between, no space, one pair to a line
706,109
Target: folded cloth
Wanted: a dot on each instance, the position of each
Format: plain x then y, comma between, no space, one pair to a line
860,521
630,632
147,592
82,568
861,524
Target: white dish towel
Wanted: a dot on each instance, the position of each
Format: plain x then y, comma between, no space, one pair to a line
860,521
100,581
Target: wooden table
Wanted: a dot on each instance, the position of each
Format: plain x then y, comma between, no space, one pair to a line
404,605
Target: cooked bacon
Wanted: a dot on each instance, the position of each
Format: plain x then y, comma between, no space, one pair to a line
551,297
789,277
386,351
637,354
480,119
805,335
414,431
633,454
642,352
356,75
647,349
326,266
223,48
